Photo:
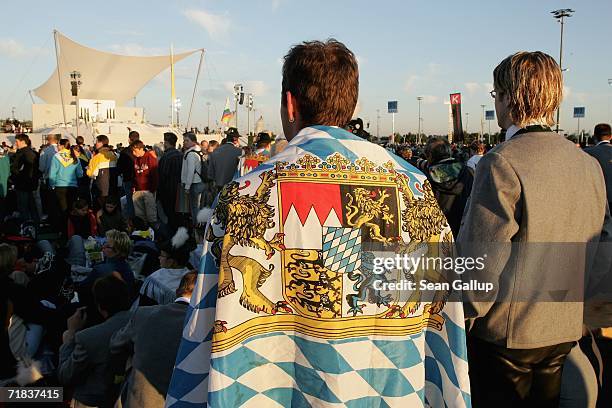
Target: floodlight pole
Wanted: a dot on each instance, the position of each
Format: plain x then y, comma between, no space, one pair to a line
560,15
482,118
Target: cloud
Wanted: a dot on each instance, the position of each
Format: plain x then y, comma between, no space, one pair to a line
472,87
581,97
430,99
216,25
488,86
276,4
432,71
410,82
10,47
361,60
256,87
567,91
125,32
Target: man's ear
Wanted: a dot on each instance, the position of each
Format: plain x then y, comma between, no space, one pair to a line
291,107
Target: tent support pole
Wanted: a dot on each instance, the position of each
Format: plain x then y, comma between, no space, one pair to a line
195,87
59,76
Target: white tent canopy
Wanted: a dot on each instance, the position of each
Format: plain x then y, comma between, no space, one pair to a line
104,75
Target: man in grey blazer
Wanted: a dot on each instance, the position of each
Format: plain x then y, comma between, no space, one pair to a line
152,336
536,202
84,354
602,152
223,162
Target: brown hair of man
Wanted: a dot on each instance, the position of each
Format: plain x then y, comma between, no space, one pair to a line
324,79
602,131
102,139
133,136
137,144
187,284
23,138
111,295
477,147
534,85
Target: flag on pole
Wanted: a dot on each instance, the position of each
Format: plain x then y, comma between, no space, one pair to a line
227,114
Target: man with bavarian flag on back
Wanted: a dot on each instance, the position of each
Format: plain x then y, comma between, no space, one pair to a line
287,310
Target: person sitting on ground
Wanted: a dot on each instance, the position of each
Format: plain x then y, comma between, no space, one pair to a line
109,217
82,221
116,250
159,287
153,346
84,354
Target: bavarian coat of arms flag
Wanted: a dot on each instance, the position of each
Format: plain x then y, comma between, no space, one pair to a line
288,310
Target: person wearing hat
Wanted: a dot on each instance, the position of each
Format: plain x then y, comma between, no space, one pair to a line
223,162
264,141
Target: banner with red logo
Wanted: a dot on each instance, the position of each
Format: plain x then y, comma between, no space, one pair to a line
455,100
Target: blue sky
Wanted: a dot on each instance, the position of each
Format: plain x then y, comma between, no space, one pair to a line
405,49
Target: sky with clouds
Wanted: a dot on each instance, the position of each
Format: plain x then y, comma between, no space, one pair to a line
405,49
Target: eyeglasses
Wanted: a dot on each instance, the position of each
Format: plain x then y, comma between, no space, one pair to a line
493,93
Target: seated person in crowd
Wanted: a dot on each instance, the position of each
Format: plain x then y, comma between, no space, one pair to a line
82,221
84,354
160,286
116,250
153,346
15,300
109,217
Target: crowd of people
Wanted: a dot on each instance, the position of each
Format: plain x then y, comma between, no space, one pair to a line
101,247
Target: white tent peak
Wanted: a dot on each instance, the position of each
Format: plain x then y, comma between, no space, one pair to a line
104,75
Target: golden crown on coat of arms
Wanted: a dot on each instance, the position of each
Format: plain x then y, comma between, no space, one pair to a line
336,168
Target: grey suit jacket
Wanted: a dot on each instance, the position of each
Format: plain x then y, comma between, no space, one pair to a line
83,362
603,154
223,163
536,201
153,335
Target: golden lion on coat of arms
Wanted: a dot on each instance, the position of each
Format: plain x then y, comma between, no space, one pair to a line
367,208
245,219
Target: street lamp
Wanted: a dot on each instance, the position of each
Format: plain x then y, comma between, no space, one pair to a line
560,16
238,98
482,118
75,84
419,98
467,123
208,123
177,108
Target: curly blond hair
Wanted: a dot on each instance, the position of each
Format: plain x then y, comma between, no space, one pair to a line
534,83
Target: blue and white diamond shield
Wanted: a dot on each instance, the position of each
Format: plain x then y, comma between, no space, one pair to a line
342,249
